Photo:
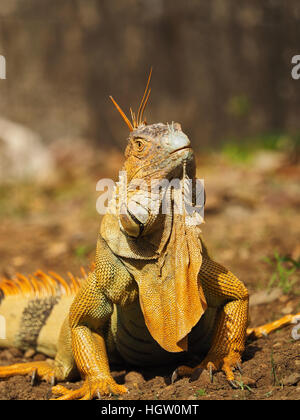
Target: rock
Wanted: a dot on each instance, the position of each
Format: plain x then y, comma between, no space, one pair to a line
9,354
6,355
29,353
134,378
292,379
203,378
23,155
248,381
283,298
39,358
265,296
16,352
288,309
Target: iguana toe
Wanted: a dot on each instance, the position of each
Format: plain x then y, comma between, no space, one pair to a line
212,364
42,370
91,388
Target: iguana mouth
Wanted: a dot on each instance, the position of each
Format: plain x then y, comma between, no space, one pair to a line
181,148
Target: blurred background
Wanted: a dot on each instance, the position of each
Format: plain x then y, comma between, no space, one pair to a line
221,68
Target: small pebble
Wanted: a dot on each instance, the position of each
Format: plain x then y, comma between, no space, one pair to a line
39,357
248,381
6,355
29,353
292,379
16,352
287,310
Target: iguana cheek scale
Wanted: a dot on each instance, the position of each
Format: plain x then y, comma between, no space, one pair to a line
150,296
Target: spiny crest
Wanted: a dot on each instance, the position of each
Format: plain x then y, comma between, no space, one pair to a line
41,284
136,120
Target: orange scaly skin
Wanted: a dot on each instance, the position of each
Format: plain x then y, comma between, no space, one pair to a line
229,338
153,294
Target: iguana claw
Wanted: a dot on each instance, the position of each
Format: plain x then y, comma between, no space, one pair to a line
239,367
174,376
89,390
211,364
33,377
233,384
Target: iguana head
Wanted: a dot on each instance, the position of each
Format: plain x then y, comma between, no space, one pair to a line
158,151
154,153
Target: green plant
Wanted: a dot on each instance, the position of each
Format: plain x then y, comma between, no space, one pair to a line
284,270
276,381
200,392
268,394
242,385
243,150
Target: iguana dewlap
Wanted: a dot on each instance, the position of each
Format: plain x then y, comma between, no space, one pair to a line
154,294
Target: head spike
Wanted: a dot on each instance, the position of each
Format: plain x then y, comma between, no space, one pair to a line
134,123
144,101
136,119
144,106
122,113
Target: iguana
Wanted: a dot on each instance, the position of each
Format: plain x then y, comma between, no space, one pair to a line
154,295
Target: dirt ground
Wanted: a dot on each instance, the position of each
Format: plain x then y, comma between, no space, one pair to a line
252,212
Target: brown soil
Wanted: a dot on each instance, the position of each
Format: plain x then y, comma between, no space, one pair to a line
252,211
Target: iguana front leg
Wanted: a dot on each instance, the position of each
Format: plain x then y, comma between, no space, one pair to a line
110,283
224,291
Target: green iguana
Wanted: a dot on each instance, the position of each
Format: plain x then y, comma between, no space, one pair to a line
154,296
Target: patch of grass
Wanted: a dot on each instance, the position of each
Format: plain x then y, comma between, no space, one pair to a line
200,392
242,385
244,150
268,394
236,153
284,270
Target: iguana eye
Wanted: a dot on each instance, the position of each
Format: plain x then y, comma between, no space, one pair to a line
139,144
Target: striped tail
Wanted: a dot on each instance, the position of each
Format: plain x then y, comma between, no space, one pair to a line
33,308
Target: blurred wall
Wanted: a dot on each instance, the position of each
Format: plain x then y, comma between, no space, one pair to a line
221,67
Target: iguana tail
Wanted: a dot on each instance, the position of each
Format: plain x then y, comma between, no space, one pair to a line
266,329
33,308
